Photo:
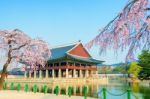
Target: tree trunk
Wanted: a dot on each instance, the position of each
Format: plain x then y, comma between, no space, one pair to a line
2,80
4,71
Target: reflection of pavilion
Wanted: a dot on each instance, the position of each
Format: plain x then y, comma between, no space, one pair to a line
61,83
70,61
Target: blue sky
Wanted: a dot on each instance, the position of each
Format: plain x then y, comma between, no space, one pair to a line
62,21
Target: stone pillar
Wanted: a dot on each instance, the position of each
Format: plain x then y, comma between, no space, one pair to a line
29,74
59,90
25,74
40,74
81,74
34,73
67,73
59,73
97,88
40,88
87,73
53,73
74,90
46,74
87,88
81,89
74,73
53,87
66,90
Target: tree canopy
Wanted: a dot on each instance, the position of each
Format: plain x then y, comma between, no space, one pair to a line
134,69
20,48
129,30
144,62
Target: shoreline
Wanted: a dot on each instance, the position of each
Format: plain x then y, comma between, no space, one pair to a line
7,94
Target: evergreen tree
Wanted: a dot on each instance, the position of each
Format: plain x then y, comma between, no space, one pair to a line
144,62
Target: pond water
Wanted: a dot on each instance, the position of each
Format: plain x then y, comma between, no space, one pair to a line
118,90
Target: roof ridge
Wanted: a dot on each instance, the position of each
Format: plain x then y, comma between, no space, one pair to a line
65,45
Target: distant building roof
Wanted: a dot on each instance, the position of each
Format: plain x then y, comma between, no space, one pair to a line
62,52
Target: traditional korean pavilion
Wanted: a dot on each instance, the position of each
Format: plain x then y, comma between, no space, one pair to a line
68,61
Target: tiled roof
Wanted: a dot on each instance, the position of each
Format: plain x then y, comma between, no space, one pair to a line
90,60
62,51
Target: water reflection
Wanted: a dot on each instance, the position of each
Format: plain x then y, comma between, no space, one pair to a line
114,89
137,91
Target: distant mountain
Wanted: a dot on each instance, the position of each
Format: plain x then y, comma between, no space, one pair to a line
117,64
114,65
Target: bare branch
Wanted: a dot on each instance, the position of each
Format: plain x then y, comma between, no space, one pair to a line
20,46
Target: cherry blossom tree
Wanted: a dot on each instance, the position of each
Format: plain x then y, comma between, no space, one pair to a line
20,48
129,30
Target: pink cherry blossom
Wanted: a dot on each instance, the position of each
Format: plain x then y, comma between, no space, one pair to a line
129,29
24,49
